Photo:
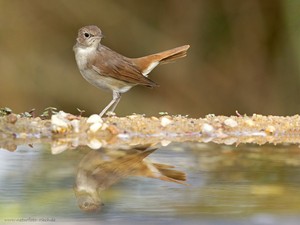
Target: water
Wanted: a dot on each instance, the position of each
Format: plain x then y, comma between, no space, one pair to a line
247,184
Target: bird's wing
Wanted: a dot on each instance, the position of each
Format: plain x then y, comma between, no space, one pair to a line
111,64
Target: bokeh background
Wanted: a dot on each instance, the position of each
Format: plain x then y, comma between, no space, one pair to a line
244,55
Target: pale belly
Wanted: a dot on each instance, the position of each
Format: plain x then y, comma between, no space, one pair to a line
104,82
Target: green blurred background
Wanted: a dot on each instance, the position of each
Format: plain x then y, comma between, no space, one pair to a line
244,55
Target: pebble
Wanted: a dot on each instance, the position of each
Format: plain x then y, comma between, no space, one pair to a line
104,126
270,129
207,128
75,124
12,118
94,144
165,143
164,121
95,127
95,118
230,141
59,122
249,122
56,149
230,122
133,116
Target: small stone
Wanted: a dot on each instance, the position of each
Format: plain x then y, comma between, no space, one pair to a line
113,129
230,122
75,124
133,116
207,128
56,120
165,121
270,129
154,118
95,127
250,122
62,114
94,144
165,143
208,139
59,148
104,126
210,116
230,141
75,142
12,118
95,118
59,123
22,135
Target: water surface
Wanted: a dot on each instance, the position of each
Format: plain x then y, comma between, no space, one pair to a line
247,184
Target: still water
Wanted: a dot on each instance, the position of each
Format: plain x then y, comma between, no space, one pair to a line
182,183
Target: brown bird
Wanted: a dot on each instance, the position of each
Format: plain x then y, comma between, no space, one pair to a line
99,170
107,69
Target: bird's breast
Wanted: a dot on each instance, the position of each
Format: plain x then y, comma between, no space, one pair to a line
82,55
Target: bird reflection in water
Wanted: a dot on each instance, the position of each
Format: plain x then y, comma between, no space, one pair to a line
98,170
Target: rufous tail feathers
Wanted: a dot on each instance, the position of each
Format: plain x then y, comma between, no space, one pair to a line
147,63
167,173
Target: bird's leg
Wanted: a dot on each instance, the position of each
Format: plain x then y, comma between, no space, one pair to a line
114,102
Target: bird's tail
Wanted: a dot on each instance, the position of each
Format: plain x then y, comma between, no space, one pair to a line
147,63
167,173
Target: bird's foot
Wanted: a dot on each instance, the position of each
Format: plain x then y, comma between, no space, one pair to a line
110,113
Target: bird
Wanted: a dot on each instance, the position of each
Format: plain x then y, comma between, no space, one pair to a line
99,170
109,70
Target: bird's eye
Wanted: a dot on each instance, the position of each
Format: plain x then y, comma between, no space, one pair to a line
86,35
